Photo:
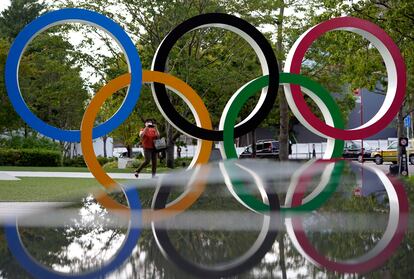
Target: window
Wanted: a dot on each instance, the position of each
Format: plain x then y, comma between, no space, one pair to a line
393,145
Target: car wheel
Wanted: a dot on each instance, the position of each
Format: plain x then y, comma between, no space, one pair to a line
378,160
360,158
412,159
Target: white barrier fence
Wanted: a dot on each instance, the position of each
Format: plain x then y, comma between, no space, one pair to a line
305,150
299,150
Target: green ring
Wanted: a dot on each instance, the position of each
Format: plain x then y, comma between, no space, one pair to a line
248,91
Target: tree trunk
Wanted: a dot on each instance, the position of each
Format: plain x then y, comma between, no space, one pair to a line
400,124
104,139
170,145
283,105
282,255
284,127
411,124
129,151
26,131
400,127
253,134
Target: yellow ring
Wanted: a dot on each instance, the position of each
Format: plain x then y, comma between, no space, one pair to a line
202,156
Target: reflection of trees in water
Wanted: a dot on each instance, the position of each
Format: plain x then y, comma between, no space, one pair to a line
208,247
80,247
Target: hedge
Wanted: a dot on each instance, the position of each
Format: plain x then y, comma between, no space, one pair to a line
31,142
80,162
74,162
178,162
30,157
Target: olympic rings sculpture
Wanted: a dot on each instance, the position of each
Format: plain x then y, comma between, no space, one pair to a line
294,85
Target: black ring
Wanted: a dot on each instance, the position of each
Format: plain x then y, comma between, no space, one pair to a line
262,245
219,19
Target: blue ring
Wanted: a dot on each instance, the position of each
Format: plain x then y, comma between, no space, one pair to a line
58,17
39,271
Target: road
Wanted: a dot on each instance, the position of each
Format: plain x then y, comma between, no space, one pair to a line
385,167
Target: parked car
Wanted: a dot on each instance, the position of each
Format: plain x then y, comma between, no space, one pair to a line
390,153
353,150
264,149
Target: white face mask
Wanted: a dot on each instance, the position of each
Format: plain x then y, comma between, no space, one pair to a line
148,124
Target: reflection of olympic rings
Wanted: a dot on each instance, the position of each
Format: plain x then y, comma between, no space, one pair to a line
380,253
39,271
248,260
329,182
334,147
394,233
393,62
260,45
192,99
58,17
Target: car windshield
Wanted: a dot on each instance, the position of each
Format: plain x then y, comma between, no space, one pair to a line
393,145
357,145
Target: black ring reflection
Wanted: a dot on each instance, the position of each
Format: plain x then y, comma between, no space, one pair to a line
245,262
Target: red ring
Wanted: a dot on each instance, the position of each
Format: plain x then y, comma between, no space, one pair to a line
351,266
296,62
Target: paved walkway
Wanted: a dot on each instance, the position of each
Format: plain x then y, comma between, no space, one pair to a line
8,175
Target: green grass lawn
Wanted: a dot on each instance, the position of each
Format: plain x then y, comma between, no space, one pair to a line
76,169
46,189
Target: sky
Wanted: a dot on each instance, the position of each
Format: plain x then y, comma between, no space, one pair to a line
4,4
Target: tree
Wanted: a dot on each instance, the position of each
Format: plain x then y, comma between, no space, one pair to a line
18,15
9,120
50,79
12,20
200,58
360,64
397,19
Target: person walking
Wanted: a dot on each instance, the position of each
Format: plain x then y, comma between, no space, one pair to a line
148,135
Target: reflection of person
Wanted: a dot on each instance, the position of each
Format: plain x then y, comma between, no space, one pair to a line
313,151
178,152
148,135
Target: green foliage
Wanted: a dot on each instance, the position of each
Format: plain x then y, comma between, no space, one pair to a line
30,157
51,82
354,60
183,162
179,162
74,162
110,165
31,142
18,15
79,161
9,120
49,76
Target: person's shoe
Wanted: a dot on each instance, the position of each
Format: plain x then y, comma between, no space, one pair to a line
136,174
